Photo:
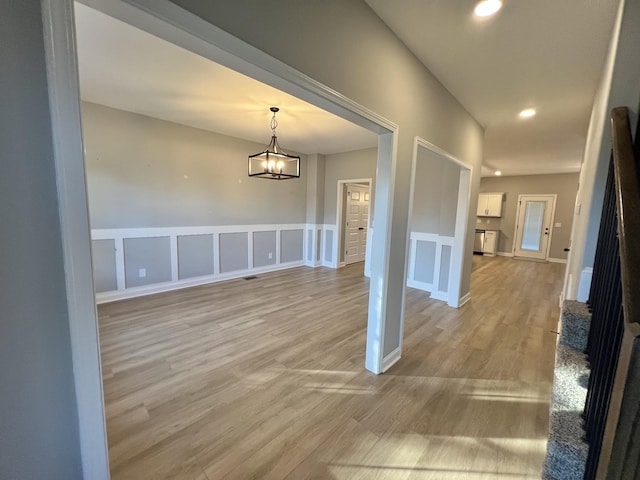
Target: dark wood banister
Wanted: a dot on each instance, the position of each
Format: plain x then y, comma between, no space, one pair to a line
627,181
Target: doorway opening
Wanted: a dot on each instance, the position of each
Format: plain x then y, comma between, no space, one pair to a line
161,18
353,205
534,226
438,224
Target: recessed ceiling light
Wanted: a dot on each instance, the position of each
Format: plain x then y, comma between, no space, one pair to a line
486,8
497,173
527,113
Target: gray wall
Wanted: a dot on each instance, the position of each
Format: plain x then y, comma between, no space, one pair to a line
315,188
344,166
144,172
38,419
564,185
435,198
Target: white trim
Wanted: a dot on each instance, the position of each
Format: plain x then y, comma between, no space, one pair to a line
173,245
250,249
464,299
216,254
121,277
504,254
391,359
557,260
461,230
64,102
109,233
381,253
367,254
309,245
134,292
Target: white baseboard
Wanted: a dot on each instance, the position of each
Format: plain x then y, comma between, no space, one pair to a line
557,260
391,359
464,299
504,254
105,297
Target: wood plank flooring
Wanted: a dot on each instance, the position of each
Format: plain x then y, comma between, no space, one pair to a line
265,379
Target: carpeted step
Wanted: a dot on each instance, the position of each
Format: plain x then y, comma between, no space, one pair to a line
566,448
574,324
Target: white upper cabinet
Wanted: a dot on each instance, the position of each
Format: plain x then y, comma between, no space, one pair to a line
490,205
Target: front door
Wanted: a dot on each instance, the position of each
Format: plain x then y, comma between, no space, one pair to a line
357,219
534,226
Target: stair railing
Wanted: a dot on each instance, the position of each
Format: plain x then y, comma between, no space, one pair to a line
612,410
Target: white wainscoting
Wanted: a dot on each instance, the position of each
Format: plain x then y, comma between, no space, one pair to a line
173,233
330,245
314,245
430,285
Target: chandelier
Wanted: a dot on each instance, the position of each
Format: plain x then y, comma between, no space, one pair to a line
273,163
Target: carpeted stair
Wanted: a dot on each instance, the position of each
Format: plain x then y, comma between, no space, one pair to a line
566,448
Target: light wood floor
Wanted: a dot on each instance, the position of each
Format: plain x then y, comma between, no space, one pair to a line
265,379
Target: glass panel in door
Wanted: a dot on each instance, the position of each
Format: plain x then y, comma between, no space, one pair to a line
533,226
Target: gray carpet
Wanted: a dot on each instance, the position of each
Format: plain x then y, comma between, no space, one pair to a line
566,449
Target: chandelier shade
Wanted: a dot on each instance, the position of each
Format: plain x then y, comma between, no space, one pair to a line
274,163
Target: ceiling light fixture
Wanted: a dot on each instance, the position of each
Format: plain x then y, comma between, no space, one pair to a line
497,173
273,163
486,8
527,113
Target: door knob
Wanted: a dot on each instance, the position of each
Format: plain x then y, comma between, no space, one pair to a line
360,228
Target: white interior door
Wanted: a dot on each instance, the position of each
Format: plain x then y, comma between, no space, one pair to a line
356,221
534,226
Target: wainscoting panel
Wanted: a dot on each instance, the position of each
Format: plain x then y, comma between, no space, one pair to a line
147,261
264,248
430,263
233,252
195,255
329,257
291,245
140,261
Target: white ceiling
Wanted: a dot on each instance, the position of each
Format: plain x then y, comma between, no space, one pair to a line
123,67
545,54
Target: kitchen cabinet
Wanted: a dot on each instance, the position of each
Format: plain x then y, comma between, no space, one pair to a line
490,205
490,242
